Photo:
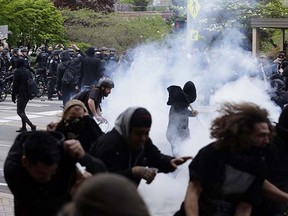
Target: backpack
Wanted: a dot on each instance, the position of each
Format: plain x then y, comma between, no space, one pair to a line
82,96
70,75
32,88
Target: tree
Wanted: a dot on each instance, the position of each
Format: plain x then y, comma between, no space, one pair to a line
112,30
31,21
96,5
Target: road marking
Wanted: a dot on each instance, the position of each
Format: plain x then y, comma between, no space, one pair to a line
7,107
1,145
50,113
30,104
4,121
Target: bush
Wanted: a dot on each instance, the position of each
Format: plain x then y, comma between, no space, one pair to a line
112,30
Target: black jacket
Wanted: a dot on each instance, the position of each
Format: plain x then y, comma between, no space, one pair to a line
113,150
92,71
20,87
34,199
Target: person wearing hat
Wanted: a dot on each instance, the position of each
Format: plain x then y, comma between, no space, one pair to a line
40,170
25,56
179,114
129,151
93,97
77,124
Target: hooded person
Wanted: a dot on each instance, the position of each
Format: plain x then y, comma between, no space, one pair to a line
76,124
178,125
106,195
92,69
20,94
128,150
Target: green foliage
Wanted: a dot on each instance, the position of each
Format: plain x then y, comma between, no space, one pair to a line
112,30
126,1
31,21
140,5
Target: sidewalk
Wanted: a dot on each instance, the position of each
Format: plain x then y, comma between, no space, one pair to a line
6,204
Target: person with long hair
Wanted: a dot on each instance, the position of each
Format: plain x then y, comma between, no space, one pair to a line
227,176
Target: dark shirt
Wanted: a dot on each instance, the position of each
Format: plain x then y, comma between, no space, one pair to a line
96,95
20,86
92,69
34,199
226,179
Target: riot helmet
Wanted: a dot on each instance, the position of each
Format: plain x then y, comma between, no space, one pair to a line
106,82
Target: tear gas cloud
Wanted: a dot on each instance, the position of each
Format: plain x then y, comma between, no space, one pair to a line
224,73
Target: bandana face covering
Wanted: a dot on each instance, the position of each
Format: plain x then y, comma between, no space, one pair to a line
73,127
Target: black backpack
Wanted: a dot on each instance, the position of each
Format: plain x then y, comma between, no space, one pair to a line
82,96
32,88
71,75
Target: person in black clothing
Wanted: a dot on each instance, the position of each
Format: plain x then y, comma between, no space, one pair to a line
92,69
42,61
20,92
68,88
276,157
40,170
5,62
227,176
76,124
278,92
178,125
92,98
128,150
25,56
52,73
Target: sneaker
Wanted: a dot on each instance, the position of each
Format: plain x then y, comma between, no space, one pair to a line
50,99
33,128
21,130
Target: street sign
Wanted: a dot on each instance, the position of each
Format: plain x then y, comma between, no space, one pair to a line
193,7
3,32
194,35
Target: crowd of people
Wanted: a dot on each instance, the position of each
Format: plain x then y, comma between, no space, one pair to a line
74,168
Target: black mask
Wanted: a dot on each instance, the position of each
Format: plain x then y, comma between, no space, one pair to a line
73,127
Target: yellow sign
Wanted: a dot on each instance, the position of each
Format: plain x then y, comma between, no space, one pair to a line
193,7
193,35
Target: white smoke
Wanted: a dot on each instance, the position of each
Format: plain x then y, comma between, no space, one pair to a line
225,73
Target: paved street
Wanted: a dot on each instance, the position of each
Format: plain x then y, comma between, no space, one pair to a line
39,111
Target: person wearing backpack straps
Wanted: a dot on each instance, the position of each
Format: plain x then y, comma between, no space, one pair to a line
20,93
92,98
68,75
